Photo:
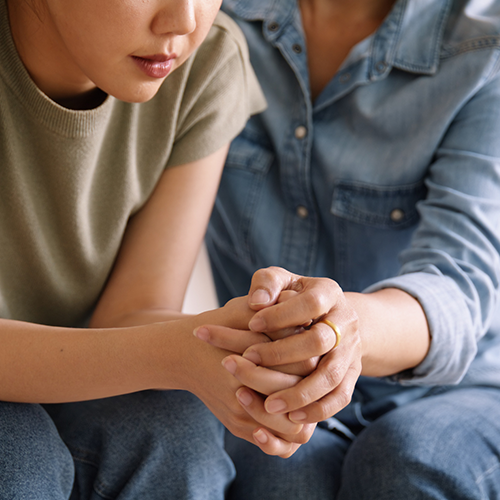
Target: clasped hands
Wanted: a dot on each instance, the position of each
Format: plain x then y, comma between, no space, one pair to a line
291,375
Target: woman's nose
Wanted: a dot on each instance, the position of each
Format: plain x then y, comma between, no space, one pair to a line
176,16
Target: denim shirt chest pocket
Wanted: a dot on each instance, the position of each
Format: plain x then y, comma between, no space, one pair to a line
233,220
386,216
385,207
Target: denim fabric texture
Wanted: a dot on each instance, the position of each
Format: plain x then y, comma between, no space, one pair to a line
439,447
389,178
149,445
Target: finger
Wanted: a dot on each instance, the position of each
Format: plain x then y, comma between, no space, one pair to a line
286,295
273,445
302,368
331,404
254,405
285,332
267,285
316,298
316,341
228,338
331,370
258,378
300,438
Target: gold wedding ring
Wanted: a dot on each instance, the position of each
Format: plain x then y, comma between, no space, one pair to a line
335,329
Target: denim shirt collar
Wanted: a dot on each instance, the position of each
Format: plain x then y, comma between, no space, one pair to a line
409,39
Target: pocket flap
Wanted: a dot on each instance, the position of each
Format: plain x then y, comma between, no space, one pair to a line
379,206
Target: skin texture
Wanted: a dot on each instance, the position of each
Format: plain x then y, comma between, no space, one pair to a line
370,344
70,48
332,28
383,333
78,52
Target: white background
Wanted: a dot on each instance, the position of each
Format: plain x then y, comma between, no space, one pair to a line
200,295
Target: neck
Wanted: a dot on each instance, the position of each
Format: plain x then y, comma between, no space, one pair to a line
332,28
350,9
45,58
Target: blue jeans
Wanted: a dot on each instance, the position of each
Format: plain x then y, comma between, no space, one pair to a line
149,445
445,446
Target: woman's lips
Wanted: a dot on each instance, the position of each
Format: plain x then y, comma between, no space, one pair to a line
157,66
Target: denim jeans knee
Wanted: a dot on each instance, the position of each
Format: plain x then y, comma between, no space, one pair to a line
442,446
153,444
312,473
34,462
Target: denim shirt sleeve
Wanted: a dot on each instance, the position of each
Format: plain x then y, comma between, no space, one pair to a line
390,178
453,265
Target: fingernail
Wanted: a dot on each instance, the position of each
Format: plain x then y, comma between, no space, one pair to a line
253,356
275,406
230,365
297,416
244,397
257,324
260,297
260,436
202,333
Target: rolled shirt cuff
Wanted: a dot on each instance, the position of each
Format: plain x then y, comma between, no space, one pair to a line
453,343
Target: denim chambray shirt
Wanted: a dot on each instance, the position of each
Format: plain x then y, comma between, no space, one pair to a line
390,178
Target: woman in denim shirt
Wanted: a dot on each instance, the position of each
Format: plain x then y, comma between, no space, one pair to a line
377,166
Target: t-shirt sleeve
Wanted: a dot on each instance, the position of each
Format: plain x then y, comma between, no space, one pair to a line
221,92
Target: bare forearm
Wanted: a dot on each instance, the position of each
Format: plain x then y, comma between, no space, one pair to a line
49,365
393,329
137,318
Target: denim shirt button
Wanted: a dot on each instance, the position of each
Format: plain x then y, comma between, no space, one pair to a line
297,48
273,26
381,66
300,132
397,215
302,212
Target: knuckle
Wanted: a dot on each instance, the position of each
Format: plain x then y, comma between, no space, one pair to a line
322,338
295,429
297,285
332,376
263,277
305,434
302,398
237,427
302,438
315,301
274,270
288,454
309,365
344,397
354,328
272,356
265,273
268,274
239,415
355,321
331,292
323,411
357,340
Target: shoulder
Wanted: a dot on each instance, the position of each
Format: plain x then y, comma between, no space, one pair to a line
222,64
226,39
472,24
223,50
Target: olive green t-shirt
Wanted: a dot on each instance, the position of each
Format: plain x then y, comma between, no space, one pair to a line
70,180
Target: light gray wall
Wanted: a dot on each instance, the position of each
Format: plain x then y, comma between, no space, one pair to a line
200,295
